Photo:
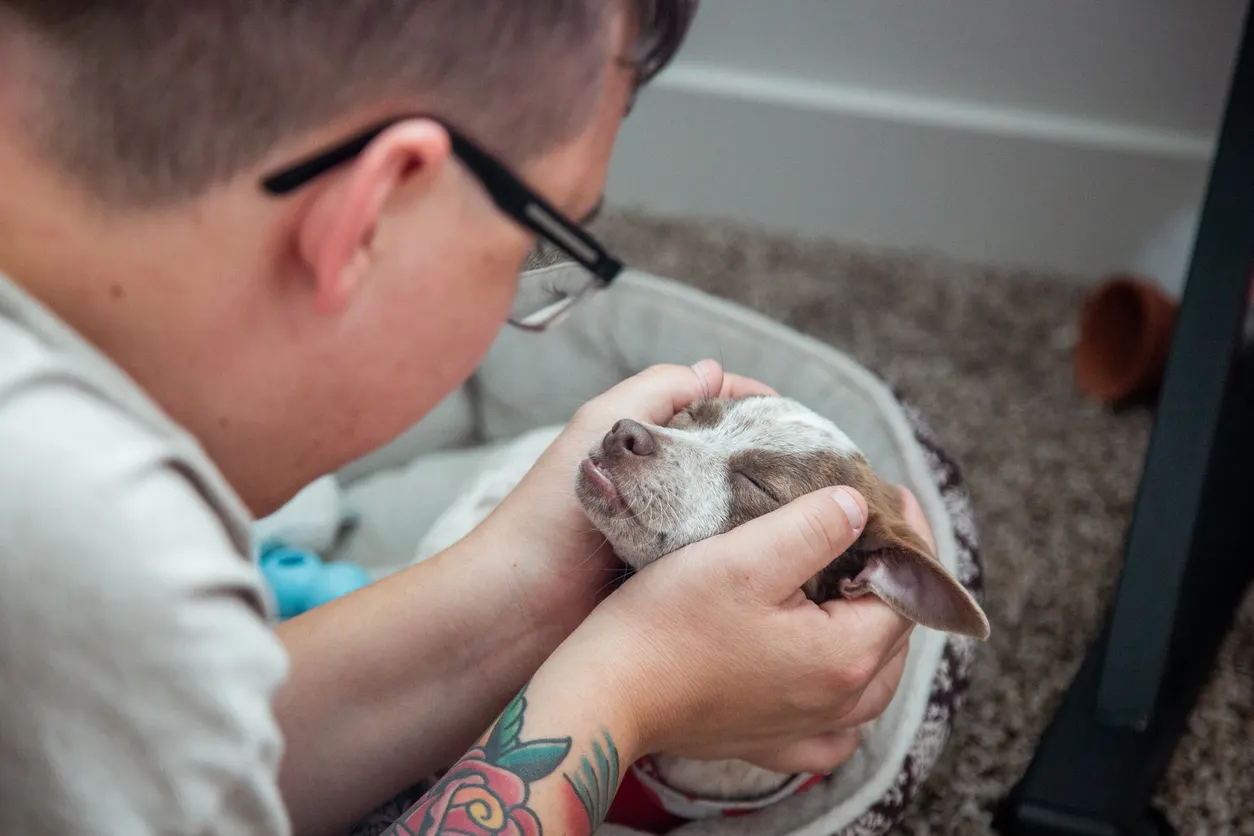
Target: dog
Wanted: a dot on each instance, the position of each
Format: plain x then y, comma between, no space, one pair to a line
652,490
720,463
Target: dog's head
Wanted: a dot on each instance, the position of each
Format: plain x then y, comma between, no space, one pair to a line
720,463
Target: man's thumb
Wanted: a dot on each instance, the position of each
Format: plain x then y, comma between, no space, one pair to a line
782,550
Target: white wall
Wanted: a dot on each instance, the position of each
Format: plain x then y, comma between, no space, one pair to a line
1071,135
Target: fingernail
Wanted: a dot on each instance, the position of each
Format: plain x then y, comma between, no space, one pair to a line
845,499
704,370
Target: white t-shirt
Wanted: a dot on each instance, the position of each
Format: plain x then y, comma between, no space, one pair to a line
137,661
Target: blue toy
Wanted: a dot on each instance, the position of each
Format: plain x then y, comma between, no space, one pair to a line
300,580
335,581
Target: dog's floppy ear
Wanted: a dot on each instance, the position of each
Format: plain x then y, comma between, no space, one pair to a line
901,571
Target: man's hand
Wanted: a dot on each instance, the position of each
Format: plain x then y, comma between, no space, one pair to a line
716,654
833,749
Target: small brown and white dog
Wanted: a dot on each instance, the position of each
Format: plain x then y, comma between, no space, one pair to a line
652,490
720,463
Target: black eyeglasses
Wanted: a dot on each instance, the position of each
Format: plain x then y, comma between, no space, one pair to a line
544,297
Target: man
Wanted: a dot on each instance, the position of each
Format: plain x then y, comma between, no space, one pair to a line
249,241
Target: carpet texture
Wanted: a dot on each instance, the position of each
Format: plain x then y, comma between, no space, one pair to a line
986,354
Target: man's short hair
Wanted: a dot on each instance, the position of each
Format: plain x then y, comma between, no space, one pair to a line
153,101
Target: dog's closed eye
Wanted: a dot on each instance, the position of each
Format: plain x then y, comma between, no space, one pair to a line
756,484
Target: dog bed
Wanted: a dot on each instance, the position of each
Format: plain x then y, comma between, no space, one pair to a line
533,381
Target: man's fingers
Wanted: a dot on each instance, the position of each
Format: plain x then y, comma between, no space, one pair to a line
656,394
867,626
737,386
710,381
778,552
877,696
664,390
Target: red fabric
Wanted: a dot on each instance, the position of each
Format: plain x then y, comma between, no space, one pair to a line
637,807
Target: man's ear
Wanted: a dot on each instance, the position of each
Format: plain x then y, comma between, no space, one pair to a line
901,571
337,230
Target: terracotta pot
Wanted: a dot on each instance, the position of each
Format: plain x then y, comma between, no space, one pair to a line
1125,337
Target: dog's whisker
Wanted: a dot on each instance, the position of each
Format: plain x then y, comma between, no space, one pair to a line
582,565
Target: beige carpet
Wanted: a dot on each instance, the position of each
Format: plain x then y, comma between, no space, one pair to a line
986,354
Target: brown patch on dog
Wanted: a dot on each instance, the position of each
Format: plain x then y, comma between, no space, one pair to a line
705,413
783,477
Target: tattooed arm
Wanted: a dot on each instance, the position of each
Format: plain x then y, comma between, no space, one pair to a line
547,766
712,653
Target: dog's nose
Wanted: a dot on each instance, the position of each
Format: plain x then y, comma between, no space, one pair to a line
628,438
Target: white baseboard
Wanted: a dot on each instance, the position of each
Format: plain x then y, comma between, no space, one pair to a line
1023,189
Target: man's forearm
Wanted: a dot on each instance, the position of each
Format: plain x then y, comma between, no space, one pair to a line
549,764
394,682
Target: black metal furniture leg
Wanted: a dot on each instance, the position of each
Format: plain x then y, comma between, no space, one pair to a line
1189,555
